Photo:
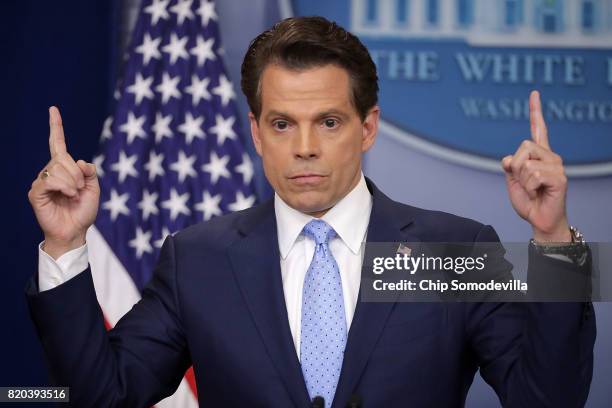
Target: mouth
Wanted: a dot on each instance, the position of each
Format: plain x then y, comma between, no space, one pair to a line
307,178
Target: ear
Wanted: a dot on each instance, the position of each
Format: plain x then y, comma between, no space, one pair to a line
255,133
370,128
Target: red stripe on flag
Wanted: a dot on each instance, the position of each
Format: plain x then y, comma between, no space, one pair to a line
190,377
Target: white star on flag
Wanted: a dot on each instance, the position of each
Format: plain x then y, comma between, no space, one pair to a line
225,90
141,242
149,48
159,242
217,167
161,127
241,202
125,166
203,50
192,127
207,12
223,128
147,204
184,166
209,206
117,204
246,169
141,88
154,165
133,127
176,48
168,87
157,10
97,161
198,89
177,204
106,128
183,12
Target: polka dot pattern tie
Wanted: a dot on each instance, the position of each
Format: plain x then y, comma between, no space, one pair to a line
323,331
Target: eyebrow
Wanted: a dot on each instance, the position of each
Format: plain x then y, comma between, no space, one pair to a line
321,115
332,112
273,113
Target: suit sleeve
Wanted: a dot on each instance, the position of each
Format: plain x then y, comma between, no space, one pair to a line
534,354
136,364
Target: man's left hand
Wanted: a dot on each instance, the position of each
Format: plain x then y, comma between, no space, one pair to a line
536,181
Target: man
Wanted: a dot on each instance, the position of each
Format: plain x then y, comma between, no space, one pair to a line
264,302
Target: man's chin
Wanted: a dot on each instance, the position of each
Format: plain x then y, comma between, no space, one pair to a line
316,209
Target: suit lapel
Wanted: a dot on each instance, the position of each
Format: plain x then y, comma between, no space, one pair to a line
386,224
256,265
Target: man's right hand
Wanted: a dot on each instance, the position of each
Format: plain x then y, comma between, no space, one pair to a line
65,195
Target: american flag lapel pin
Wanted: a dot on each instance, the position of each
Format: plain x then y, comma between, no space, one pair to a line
404,250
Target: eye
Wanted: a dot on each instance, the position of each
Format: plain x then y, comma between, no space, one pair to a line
331,123
280,125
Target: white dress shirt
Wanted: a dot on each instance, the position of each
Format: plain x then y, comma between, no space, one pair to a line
349,218
52,272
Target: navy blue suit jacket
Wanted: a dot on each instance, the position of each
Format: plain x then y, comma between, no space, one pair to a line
216,301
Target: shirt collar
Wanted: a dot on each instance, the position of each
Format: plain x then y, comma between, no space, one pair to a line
349,218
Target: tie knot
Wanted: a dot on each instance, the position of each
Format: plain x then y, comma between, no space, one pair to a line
320,231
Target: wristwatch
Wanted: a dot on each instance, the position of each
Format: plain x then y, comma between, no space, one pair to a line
576,250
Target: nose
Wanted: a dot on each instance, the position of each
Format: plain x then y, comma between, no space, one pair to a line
306,144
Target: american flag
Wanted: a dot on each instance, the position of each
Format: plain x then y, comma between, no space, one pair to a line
170,155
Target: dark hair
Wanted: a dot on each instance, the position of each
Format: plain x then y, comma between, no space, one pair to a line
307,42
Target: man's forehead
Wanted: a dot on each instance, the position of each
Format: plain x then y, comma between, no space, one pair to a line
328,78
324,87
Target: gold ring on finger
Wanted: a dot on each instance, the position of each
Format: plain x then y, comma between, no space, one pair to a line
44,174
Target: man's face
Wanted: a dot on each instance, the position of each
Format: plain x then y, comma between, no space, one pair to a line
310,136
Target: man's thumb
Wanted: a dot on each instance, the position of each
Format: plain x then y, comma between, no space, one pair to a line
88,169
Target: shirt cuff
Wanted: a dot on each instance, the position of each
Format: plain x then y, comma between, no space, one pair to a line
52,273
560,257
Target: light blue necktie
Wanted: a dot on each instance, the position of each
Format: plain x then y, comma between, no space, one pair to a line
323,332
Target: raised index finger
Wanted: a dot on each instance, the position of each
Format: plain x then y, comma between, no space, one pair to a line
539,133
57,142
